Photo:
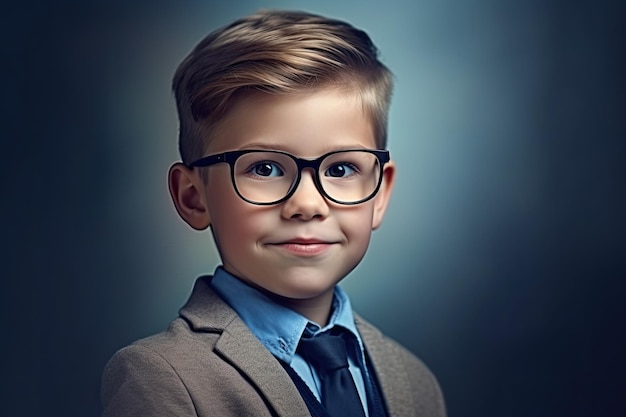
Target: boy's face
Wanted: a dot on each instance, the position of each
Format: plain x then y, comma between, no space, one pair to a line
300,248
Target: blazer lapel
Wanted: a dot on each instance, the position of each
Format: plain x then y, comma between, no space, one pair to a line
206,311
393,382
247,353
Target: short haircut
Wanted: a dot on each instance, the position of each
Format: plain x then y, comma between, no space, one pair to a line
276,52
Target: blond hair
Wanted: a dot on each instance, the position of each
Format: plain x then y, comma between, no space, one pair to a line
276,52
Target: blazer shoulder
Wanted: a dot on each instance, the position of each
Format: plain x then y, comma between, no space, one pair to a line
136,375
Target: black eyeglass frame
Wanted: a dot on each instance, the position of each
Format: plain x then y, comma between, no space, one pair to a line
231,157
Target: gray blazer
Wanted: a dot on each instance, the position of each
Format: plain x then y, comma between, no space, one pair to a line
208,363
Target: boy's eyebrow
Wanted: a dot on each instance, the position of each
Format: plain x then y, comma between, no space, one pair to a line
259,145
282,148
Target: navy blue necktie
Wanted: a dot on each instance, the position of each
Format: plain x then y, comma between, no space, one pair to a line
327,353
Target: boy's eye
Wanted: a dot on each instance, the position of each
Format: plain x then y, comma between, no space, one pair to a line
341,170
266,169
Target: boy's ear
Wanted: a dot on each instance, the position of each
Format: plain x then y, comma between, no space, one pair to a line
384,194
187,191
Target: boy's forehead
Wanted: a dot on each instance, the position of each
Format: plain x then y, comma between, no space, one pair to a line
313,121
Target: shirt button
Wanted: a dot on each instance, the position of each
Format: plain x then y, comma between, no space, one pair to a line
282,344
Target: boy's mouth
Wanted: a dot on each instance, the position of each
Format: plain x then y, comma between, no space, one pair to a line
304,247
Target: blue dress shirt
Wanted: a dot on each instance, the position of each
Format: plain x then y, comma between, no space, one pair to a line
279,328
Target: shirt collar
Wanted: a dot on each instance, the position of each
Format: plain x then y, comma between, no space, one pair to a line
279,328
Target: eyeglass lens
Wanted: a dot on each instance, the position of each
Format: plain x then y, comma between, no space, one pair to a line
346,177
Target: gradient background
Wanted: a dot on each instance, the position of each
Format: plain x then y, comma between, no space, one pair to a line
501,262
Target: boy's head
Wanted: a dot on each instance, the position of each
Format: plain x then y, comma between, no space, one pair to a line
277,52
286,112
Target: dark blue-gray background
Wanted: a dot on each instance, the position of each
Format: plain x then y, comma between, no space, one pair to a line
501,260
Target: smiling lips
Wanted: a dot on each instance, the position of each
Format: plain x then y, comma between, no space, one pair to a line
304,247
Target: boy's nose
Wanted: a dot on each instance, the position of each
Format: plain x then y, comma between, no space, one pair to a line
306,202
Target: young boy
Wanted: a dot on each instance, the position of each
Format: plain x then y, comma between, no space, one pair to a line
282,135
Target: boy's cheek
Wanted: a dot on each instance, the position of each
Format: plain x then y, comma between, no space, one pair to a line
356,223
238,222
222,199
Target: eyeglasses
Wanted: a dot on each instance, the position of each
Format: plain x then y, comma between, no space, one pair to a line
271,177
